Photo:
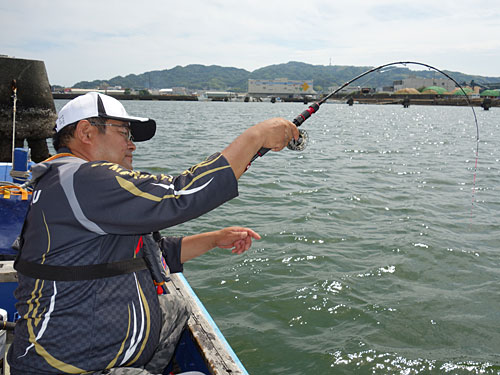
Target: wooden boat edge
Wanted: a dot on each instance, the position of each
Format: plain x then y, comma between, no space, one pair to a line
219,355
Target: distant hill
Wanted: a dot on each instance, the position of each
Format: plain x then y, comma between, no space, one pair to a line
192,77
213,77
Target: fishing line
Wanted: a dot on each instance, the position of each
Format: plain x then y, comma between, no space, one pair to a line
14,99
300,144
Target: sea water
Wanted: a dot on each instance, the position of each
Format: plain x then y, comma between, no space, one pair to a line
379,254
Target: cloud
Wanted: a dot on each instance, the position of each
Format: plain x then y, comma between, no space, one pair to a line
403,12
101,39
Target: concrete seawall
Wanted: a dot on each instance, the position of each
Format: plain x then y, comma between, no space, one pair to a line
449,100
398,100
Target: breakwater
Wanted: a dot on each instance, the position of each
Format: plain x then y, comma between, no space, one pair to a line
383,99
447,100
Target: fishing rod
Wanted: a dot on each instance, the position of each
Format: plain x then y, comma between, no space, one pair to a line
300,143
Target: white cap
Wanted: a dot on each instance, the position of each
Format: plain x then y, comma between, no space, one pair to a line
94,104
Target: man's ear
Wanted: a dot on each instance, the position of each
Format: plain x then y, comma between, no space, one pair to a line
85,132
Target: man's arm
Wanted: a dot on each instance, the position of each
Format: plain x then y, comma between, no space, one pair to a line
236,238
274,134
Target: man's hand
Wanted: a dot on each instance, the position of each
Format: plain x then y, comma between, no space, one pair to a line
236,238
274,134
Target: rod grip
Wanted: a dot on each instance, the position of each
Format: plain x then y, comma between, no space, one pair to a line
260,153
305,114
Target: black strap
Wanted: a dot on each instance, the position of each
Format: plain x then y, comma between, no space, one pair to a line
7,326
79,273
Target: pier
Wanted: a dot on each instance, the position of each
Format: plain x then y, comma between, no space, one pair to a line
447,100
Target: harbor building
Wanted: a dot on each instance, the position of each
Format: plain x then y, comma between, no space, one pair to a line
417,82
280,87
174,91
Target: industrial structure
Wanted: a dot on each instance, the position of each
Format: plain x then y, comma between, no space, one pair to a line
416,83
280,87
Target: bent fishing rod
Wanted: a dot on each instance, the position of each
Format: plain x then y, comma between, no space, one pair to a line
300,143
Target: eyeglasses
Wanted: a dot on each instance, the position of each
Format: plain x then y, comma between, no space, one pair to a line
127,135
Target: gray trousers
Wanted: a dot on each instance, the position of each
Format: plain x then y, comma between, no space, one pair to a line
175,314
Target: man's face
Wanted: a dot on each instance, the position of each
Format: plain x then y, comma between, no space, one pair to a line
115,145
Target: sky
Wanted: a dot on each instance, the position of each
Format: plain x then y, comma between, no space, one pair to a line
88,39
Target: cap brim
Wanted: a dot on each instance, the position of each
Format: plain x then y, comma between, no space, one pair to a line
141,128
142,131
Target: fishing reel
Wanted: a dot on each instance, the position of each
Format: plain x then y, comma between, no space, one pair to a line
299,144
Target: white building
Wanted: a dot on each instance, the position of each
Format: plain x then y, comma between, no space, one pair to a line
174,91
281,87
417,83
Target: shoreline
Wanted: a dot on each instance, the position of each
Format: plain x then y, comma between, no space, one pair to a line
381,99
57,95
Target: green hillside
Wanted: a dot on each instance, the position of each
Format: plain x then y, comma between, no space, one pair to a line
201,77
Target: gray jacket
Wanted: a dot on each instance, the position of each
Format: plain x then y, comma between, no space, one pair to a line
88,213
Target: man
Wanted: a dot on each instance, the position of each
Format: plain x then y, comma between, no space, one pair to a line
86,291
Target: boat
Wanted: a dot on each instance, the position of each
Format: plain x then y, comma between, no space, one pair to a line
202,346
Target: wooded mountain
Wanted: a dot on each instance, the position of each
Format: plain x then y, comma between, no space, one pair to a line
201,77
